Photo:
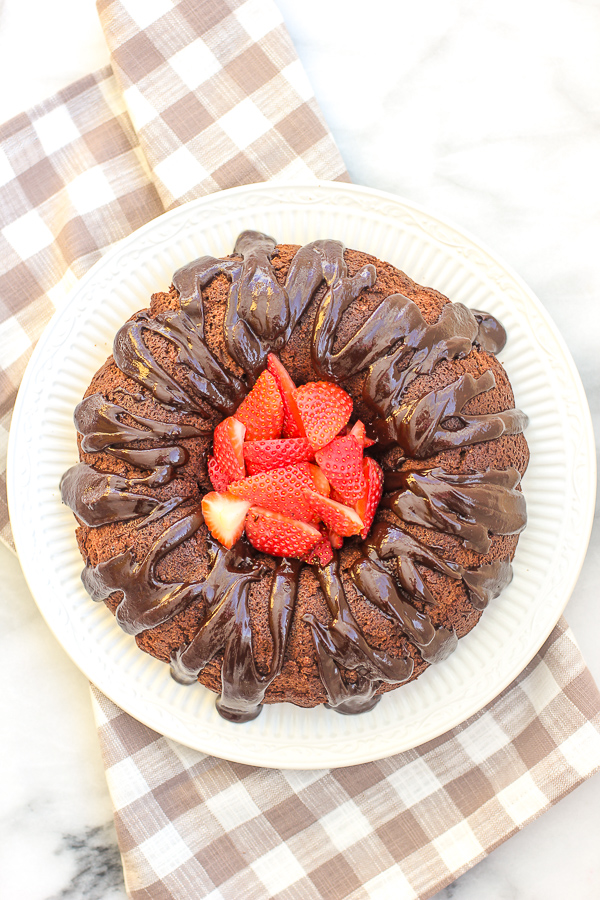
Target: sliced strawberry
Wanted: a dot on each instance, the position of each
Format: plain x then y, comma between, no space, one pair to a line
280,490
218,478
341,461
280,535
225,517
336,540
359,432
292,423
321,553
337,517
336,496
228,447
368,503
262,456
324,408
321,484
262,410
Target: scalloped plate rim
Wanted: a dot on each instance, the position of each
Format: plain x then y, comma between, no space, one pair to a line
152,713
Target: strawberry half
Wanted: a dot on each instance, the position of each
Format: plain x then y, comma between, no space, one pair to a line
368,503
262,410
321,553
341,460
225,517
228,447
262,456
321,483
292,423
360,433
337,517
218,478
336,540
279,535
324,409
280,490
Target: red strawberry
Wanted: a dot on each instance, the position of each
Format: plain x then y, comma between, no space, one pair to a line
261,456
228,444
341,461
359,432
292,423
225,517
262,410
218,478
368,503
280,490
339,518
280,535
321,553
336,540
324,408
321,483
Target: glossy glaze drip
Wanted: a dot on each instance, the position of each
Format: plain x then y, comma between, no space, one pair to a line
99,422
205,379
434,644
99,499
146,601
468,506
227,628
391,543
342,643
395,345
422,426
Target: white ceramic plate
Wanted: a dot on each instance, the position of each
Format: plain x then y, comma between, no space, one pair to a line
559,485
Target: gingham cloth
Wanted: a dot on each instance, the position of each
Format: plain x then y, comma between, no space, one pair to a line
191,826
204,95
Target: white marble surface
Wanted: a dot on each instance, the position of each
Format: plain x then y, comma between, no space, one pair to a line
486,112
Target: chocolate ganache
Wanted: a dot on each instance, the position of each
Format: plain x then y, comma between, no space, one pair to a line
396,572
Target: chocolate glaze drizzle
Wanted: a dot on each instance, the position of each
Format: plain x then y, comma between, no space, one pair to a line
394,346
227,628
341,643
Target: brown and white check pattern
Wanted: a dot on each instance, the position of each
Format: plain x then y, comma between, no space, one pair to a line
191,826
203,95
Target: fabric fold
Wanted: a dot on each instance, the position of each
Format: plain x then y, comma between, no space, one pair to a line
217,96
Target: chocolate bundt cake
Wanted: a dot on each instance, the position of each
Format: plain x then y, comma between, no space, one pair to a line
299,476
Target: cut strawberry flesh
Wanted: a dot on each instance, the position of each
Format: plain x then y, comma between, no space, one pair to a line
228,447
292,422
262,456
339,518
341,460
262,410
336,540
225,517
322,486
270,532
324,409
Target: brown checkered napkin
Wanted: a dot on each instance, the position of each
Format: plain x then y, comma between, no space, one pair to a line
202,95
191,826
